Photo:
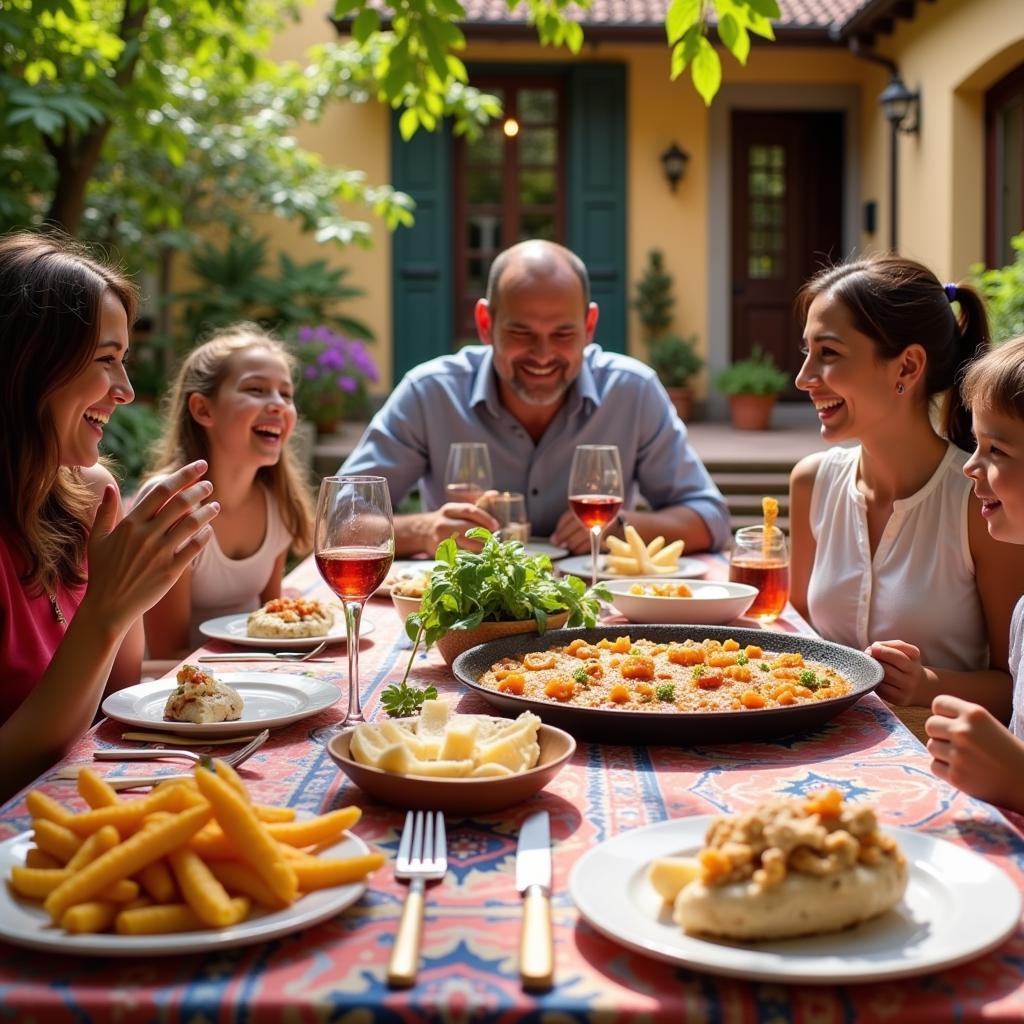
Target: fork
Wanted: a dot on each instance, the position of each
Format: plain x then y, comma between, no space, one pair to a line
422,855
267,655
136,754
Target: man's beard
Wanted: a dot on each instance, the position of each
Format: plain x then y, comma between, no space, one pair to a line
535,395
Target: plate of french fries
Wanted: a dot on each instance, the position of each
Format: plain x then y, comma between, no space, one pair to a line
635,558
196,865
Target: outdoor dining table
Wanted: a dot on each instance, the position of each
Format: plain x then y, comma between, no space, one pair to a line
336,971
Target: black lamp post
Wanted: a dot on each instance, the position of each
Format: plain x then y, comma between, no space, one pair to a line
902,110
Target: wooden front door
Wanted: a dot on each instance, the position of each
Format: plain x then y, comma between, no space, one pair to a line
787,221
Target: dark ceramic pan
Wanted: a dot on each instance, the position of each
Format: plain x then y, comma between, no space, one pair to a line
675,727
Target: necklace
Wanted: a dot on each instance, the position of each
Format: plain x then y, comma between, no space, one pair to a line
57,613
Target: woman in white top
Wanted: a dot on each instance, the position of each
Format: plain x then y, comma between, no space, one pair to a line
232,402
889,551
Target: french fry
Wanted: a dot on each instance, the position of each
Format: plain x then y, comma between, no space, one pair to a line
157,880
274,814
314,831
45,808
36,858
250,836
38,883
126,817
174,917
241,879
56,840
127,858
317,873
95,790
203,893
631,557
668,556
100,841
89,918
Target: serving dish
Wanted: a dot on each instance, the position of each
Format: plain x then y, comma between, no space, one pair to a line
675,727
579,565
958,905
232,629
712,603
456,796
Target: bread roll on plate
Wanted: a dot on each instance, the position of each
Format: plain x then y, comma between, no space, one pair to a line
200,698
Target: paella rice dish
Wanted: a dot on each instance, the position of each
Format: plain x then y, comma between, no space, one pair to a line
641,675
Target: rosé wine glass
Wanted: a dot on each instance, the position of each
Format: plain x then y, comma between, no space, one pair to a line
354,547
595,492
468,473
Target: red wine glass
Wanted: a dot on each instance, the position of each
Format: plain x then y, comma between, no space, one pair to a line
595,492
354,547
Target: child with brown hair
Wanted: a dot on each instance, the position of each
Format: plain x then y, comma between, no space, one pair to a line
232,405
970,748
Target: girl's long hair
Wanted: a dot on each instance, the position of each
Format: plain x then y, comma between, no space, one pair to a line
897,302
50,296
996,380
184,440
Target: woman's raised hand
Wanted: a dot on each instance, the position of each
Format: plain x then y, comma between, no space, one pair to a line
133,563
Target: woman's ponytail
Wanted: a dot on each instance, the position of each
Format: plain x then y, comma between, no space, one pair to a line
972,324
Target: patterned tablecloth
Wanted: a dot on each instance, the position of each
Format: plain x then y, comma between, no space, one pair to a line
335,971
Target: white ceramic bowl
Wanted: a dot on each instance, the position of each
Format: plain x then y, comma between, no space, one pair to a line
405,606
712,603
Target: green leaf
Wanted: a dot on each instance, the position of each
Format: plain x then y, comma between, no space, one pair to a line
766,8
342,8
367,22
706,71
682,15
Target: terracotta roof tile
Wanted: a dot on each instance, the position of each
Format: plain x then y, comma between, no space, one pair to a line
796,14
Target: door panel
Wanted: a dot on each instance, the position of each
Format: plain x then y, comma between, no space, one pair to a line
787,198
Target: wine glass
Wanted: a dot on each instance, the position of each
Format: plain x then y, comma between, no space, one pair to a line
509,509
354,547
468,473
595,492
760,559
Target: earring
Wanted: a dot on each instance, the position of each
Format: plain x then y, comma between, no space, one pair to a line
900,389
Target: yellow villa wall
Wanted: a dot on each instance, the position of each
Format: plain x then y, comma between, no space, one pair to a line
952,52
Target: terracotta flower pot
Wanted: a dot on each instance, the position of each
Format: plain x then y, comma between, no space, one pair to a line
453,643
682,399
751,412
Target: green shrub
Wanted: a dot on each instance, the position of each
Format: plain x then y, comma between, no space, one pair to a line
1003,290
675,360
757,375
127,440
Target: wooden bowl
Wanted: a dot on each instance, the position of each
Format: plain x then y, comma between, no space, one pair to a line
453,643
456,796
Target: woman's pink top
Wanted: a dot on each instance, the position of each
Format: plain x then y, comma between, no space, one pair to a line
29,630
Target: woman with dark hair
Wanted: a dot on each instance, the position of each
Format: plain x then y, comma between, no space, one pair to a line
889,551
75,577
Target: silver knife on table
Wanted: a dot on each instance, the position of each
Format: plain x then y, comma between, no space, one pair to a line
533,880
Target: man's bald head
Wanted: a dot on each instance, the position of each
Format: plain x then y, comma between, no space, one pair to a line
537,260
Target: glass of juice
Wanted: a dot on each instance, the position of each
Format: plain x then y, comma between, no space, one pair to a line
354,545
761,559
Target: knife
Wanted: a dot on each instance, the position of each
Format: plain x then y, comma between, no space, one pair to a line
533,880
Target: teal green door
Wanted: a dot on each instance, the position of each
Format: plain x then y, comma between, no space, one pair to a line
437,276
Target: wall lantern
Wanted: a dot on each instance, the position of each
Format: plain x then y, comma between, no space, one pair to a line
902,107
673,162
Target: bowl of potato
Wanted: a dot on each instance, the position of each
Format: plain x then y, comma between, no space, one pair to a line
459,764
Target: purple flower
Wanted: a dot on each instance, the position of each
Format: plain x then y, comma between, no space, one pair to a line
310,373
348,384
331,358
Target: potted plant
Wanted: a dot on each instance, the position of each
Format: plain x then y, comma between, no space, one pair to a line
675,361
472,598
752,385
334,377
673,358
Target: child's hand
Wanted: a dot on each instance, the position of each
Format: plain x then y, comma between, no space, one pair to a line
971,750
906,680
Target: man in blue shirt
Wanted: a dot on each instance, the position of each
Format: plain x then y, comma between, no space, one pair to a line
533,391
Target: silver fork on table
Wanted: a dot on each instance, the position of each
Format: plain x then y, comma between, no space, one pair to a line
149,754
422,856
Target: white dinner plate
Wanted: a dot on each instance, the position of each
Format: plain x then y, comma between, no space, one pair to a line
231,628
270,699
579,565
715,603
405,570
25,923
536,547
957,906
